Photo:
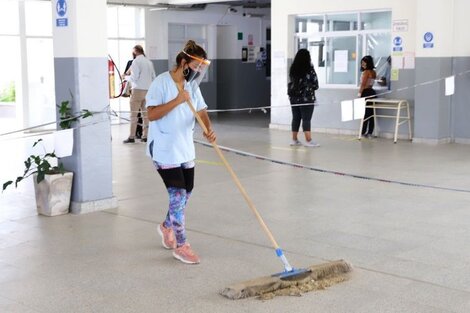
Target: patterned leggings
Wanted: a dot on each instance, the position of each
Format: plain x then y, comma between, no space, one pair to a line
179,182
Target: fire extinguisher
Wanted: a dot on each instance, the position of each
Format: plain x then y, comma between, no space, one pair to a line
124,90
112,89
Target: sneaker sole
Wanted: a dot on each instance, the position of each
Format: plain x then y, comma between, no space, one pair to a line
183,260
163,239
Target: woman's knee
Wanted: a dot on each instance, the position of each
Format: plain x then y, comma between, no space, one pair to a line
177,198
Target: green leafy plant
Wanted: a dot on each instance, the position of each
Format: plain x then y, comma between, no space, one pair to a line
8,94
40,163
37,164
66,116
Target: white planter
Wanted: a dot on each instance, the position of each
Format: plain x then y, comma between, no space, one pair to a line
53,194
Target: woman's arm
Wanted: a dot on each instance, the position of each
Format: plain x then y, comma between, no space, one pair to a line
157,112
210,135
313,79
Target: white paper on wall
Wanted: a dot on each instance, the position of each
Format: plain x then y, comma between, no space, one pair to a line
397,62
450,85
63,143
346,110
46,145
359,108
341,61
409,61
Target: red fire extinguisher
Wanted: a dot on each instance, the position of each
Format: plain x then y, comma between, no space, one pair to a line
112,88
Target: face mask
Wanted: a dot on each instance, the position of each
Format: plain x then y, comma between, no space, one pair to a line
191,74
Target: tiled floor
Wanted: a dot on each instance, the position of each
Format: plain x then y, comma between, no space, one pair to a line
409,245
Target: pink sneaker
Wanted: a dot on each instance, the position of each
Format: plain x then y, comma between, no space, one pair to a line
186,255
168,237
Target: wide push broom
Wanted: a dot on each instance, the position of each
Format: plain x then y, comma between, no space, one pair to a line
290,274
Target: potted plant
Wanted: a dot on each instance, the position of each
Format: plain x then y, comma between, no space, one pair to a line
52,183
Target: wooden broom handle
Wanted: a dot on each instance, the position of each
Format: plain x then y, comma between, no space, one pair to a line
235,178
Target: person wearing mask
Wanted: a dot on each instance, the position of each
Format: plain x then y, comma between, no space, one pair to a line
171,145
140,77
366,91
301,91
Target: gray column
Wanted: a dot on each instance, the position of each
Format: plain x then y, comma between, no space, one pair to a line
81,77
432,120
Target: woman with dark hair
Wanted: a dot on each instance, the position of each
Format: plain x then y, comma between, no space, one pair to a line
366,91
170,143
301,91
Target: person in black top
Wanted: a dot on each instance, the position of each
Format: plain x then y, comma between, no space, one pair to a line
367,91
301,91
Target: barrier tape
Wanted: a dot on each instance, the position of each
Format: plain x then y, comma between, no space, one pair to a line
262,108
325,171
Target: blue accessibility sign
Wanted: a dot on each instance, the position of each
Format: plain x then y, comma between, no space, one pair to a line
61,8
428,37
397,41
428,40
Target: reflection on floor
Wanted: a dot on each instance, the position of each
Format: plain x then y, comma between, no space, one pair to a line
409,244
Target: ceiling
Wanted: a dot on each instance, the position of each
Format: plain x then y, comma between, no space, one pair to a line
244,3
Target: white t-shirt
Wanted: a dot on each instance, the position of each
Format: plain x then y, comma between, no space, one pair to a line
142,73
171,137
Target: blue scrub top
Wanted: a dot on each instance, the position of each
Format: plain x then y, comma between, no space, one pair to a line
171,137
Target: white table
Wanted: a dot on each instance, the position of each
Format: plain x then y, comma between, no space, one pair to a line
389,104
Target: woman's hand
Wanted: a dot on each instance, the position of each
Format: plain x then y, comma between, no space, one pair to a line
183,96
210,135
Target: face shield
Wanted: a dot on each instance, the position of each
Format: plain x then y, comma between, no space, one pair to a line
197,69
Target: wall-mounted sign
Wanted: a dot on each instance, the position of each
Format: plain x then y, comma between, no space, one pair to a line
400,25
61,13
397,44
428,40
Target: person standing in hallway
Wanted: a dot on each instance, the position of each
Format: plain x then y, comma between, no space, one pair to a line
366,91
301,91
141,76
170,143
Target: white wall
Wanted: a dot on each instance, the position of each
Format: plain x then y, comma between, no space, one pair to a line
157,29
447,19
79,28
461,41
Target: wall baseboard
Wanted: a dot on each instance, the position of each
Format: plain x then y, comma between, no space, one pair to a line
465,141
432,141
339,131
93,206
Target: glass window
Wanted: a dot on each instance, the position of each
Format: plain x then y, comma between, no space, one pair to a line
38,18
126,28
129,24
10,64
376,20
140,23
9,18
112,21
335,55
315,24
340,64
41,81
378,46
318,55
341,22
